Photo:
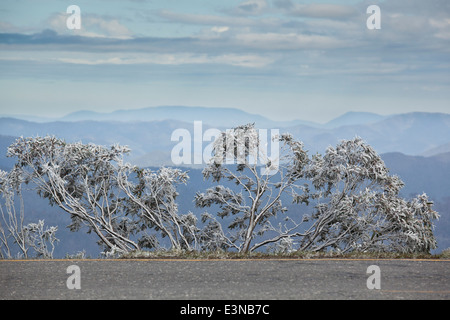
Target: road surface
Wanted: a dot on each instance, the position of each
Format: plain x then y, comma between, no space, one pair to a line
219,280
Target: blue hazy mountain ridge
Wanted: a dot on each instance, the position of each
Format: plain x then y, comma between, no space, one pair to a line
149,137
141,137
217,117
411,133
444,148
353,118
421,174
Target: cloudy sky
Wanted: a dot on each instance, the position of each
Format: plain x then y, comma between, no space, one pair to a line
284,59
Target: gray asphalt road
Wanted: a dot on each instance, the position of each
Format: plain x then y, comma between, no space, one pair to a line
235,279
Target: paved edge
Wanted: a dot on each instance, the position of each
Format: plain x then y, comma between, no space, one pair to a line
224,260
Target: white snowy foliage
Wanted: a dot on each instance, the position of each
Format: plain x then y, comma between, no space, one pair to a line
259,197
358,206
94,185
356,202
13,231
353,201
40,239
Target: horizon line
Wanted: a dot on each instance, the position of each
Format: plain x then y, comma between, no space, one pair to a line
48,119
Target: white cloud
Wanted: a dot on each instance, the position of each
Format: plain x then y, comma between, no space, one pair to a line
442,27
109,27
289,41
91,26
246,60
220,29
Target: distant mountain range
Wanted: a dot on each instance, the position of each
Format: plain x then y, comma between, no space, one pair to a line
217,117
148,131
428,175
353,118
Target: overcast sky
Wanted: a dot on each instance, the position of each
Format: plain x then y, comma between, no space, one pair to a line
284,59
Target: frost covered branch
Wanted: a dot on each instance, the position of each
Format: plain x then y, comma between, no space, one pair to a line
12,225
345,200
93,185
259,196
358,206
355,201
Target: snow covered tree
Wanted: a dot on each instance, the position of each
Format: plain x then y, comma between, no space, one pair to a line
358,207
355,203
13,231
12,218
259,195
94,185
152,200
40,239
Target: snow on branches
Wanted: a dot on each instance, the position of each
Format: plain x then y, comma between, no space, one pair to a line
344,200
13,231
258,197
355,202
120,203
358,207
